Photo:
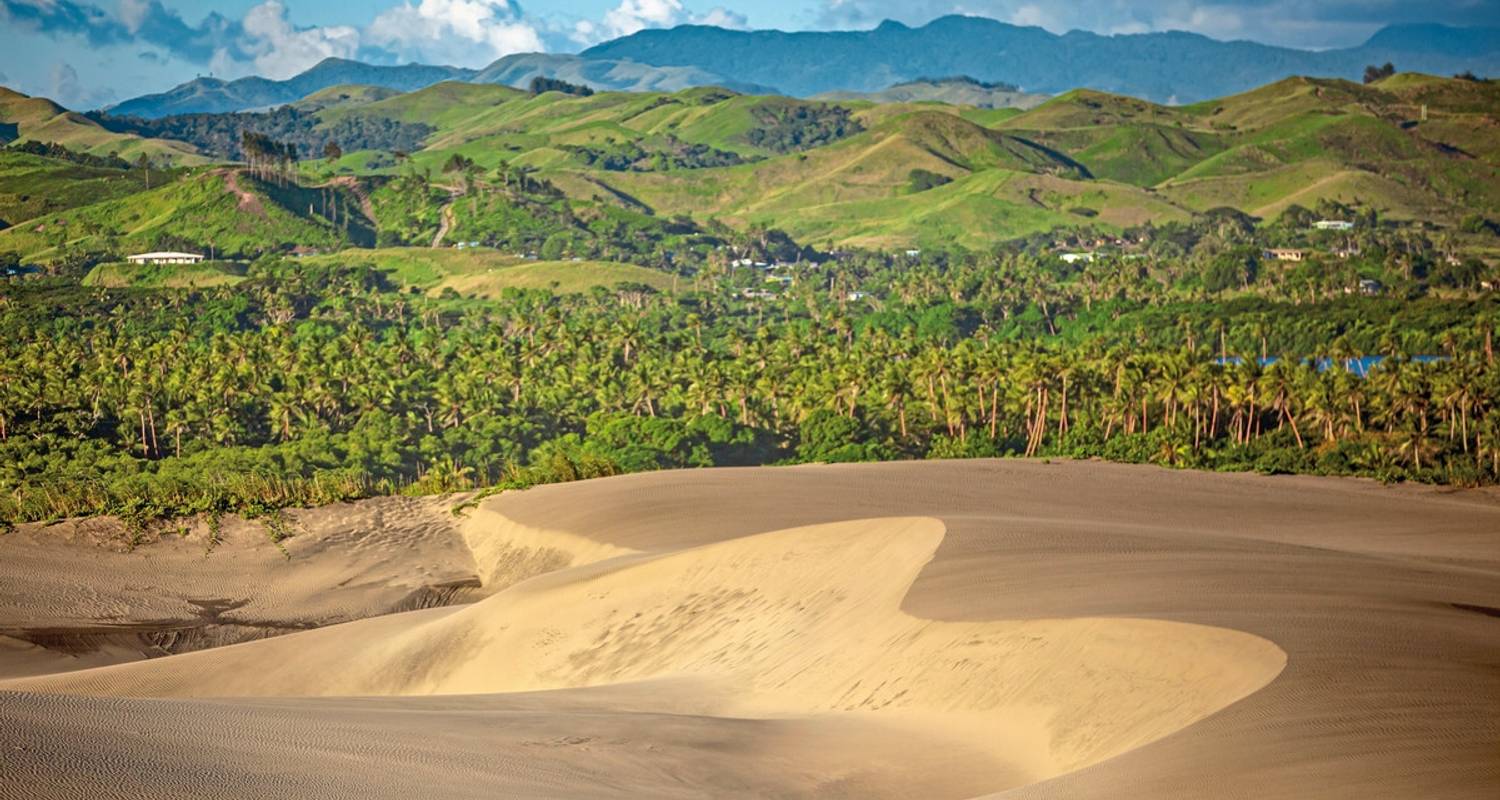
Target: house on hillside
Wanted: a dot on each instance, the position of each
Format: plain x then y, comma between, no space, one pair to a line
1333,225
1074,258
1285,254
165,258
1370,287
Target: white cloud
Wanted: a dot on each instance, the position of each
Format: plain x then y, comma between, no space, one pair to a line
632,16
723,18
1292,23
463,32
63,86
280,50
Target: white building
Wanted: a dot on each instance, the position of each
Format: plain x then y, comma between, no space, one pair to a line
1073,258
1333,225
165,258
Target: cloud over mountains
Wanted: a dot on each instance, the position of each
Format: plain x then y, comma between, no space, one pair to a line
101,37
266,42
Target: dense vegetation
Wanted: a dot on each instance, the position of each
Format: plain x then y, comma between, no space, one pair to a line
791,127
222,135
307,383
555,294
542,84
62,153
672,153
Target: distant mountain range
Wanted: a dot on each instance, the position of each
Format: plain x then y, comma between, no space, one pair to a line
209,95
214,96
1164,67
608,75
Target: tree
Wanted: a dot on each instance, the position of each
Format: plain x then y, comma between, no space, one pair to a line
542,84
332,151
1374,73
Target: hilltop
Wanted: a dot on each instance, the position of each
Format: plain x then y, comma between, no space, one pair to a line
858,172
24,118
957,91
211,95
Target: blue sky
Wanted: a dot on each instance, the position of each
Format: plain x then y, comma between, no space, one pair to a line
86,53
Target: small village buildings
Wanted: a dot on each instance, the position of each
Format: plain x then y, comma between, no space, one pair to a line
855,297
1074,258
1370,287
165,258
1285,254
1333,225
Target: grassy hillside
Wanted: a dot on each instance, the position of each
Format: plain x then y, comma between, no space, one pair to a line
1109,159
486,273
25,118
949,91
343,96
226,212
32,186
837,173
122,275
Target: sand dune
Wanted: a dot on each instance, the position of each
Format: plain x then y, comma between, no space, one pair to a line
950,629
83,592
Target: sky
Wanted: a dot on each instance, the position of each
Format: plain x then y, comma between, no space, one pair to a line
88,53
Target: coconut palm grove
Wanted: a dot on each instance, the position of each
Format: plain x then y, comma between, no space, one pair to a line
472,285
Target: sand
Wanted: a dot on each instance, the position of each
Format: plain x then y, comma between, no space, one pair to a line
937,629
84,592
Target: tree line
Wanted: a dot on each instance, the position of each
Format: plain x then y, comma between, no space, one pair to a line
306,384
223,135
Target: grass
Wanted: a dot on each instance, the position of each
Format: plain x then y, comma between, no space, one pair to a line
121,275
1082,158
482,272
198,208
42,120
32,186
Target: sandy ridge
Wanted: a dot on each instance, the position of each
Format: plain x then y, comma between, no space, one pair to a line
1040,630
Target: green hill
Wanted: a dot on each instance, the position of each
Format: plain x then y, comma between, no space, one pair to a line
32,185
343,96
504,166
26,118
119,275
959,91
220,212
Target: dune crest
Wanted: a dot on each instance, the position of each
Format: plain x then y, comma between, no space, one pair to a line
942,630
797,622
